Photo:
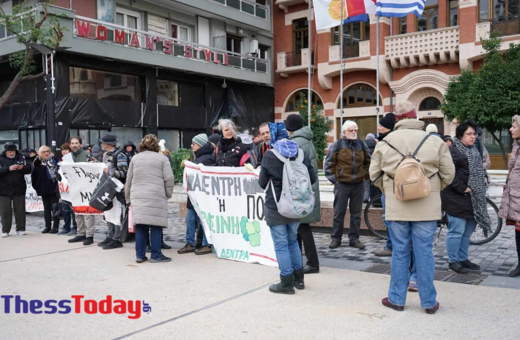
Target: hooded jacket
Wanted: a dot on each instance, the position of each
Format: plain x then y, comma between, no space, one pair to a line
132,153
304,137
272,170
436,160
12,183
510,206
206,156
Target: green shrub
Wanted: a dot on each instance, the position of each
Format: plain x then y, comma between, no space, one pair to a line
178,166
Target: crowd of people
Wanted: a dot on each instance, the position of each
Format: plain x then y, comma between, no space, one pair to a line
419,172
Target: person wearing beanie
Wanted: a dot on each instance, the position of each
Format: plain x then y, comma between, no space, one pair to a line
129,149
303,136
412,219
447,139
346,166
433,130
386,125
214,139
205,155
13,168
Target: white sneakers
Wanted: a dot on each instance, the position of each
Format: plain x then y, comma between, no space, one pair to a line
21,233
5,234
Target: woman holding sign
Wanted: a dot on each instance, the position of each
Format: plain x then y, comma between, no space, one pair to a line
149,185
45,180
284,230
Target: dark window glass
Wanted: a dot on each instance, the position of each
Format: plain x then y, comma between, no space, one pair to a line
430,103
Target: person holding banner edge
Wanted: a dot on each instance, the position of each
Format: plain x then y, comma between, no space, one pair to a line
283,230
13,168
86,223
66,207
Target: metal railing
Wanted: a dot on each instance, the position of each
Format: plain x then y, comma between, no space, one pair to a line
5,33
248,7
155,43
294,58
506,26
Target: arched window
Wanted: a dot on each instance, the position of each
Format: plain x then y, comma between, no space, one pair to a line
429,104
359,95
294,101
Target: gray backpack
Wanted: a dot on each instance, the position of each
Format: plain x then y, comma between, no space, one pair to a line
297,198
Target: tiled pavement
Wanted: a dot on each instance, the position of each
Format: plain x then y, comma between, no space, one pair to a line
496,258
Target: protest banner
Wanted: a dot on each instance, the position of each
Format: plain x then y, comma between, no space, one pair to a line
230,204
33,202
82,180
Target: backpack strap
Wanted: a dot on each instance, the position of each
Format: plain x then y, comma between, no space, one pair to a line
390,145
280,157
300,156
420,145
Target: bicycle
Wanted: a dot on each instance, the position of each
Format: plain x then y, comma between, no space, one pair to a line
374,221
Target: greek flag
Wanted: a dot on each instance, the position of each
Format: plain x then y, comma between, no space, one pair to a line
400,8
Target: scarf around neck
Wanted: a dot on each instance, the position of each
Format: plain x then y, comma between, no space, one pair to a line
476,182
52,168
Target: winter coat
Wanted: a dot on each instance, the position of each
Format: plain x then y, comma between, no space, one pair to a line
41,180
371,145
347,161
81,156
454,201
272,170
231,152
148,187
304,139
117,162
436,160
206,156
510,206
132,153
12,183
261,149
486,159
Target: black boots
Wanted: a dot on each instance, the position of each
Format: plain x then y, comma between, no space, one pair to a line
459,268
285,286
77,239
298,279
516,272
88,241
45,230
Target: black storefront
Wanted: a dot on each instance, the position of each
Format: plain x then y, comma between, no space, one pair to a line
94,96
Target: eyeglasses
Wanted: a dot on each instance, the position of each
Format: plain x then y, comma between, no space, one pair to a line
470,134
46,151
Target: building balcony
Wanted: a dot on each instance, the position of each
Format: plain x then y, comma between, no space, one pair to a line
358,50
247,7
506,26
293,62
440,46
285,4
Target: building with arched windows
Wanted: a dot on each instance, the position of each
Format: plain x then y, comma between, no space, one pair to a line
418,58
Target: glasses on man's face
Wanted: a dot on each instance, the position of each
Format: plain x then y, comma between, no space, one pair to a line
352,131
470,134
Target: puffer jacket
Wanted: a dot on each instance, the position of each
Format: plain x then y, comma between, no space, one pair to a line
436,160
231,152
510,206
347,161
148,187
206,156
304,139
454,201
12,183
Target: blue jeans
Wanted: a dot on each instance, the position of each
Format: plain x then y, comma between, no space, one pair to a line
141,236
457,241
68,215
389,239
422,235
288,253
191,226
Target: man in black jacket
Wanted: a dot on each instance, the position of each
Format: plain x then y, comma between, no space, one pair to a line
205,155
13,168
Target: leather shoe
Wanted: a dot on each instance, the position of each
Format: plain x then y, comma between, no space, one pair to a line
459,268
165,246
310,270
383,252
434,309
357,244
336,242
388,304
470,265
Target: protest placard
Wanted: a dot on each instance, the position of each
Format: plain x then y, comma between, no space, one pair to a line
33,202
82,180
230,204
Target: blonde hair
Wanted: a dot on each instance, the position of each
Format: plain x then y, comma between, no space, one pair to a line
149,143
43,148
404,107
516,119
348,124
432,128
229,124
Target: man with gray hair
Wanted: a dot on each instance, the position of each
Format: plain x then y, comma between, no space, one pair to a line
413,219
346,166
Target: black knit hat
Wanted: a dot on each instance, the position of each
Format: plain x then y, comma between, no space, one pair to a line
10,146
388,121
294,122
215,138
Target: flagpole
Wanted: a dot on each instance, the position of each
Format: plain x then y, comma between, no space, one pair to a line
341,65
377,71
309,60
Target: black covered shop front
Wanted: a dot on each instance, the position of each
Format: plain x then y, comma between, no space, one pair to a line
94,96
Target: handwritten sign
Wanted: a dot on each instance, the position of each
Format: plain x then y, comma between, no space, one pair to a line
33,202
230,204
82,180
